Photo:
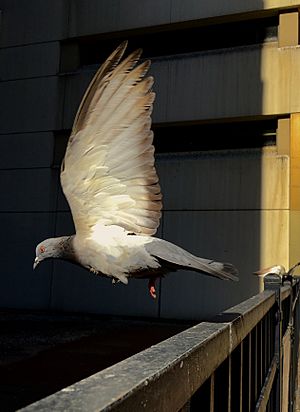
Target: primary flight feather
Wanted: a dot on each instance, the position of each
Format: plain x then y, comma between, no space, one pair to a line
109,179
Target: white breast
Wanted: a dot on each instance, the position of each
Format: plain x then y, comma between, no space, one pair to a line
111,251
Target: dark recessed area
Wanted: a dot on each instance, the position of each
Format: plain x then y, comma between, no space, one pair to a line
214,136
175,40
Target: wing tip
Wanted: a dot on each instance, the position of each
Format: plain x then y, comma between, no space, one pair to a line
123,45
231,272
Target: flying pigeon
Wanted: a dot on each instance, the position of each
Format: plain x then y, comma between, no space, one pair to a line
109,179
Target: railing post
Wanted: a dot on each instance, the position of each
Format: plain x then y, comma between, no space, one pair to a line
274,282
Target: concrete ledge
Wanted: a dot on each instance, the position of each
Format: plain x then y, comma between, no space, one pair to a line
95,17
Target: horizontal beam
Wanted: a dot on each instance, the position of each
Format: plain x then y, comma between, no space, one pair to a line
203,87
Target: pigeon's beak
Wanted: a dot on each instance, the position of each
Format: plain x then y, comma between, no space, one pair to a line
36,262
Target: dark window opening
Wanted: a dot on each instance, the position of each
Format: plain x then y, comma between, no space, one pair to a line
215,136
175,40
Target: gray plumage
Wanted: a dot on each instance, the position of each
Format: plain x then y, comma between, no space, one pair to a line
174,257
109,179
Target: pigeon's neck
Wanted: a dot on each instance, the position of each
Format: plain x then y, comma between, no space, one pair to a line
65,249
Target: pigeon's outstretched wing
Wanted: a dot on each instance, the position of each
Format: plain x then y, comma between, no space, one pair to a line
108,173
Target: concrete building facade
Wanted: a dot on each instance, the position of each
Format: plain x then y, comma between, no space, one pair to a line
226,122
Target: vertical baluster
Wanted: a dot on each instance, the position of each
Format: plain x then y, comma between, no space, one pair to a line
241,376
229,381
253,368
258,359
212,393
246,385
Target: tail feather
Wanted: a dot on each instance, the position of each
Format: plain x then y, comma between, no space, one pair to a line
181,259
224,271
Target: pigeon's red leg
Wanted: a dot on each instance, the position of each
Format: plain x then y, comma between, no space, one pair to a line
151,287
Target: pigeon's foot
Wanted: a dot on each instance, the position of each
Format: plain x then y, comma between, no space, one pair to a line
151,287
92,270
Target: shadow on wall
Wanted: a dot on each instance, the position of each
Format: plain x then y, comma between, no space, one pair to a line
212,200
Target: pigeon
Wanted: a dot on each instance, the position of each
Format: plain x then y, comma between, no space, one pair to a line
280,271
272,270
110,182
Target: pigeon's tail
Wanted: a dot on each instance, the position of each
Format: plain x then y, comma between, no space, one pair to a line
178,258
224,271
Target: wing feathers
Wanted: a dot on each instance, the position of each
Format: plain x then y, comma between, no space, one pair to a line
109,65
108,175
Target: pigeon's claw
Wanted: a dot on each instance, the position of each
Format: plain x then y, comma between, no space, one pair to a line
151,287
92,270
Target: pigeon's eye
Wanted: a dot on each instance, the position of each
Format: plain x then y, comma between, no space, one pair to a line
42,249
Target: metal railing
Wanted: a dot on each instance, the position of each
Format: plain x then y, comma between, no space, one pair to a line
243,360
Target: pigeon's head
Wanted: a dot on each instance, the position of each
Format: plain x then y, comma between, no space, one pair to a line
45,250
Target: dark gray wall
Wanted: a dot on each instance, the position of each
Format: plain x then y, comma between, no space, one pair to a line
207,204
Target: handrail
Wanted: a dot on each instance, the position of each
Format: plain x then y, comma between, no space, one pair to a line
243,359
165,376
